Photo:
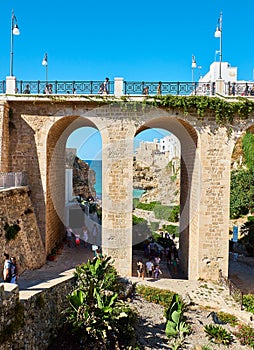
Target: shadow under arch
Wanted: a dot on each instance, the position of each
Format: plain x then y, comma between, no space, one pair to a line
55,182
189,192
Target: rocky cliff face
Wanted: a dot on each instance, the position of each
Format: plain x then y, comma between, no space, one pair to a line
83,177
160,184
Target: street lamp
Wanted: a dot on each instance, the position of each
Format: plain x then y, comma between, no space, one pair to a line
193,66
218,34
14,31
45,64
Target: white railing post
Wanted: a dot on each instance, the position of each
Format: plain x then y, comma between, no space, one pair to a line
118,87
220,86
10,85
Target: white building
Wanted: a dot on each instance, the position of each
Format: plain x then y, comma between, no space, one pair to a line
158,152
170,144
228,73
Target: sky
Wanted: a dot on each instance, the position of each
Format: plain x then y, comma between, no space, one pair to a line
87,141
136,40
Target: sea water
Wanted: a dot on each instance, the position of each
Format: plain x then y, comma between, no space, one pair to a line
96,166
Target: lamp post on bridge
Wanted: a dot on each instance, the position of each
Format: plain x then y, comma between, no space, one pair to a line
193,66
14,31
218,34
45,64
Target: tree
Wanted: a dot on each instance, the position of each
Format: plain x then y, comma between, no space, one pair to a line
242,193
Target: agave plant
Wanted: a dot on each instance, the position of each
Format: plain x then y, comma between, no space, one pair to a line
218,334
94,309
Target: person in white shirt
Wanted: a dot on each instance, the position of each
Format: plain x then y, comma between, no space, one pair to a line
149,268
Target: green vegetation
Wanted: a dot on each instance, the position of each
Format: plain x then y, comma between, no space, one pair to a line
155,295
176,327
171,229
140,231
169,213
11,231
227,318
241,193
161,212
242,181
248,150
147,206
154,226
224,111
245,334
96,314
218,334
248,302
248,239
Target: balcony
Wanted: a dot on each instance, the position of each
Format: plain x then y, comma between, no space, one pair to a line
13,179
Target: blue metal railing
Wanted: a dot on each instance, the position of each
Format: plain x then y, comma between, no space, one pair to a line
132,88
2,87
63,87
165,88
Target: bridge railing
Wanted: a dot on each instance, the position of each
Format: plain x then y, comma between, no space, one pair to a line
234,291
12,179
165,88
133,88
63,87
2,87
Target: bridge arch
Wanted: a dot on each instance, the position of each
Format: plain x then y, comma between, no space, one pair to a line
190,176
55,180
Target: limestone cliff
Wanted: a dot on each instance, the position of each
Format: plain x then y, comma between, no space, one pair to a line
83,177
160,184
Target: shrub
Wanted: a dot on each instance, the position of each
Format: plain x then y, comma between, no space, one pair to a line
154,225
155,295
147,206
95,314
218,334
11,231
248,302
171,229
227,318
245,334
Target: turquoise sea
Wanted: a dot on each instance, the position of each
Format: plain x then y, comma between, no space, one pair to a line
96,166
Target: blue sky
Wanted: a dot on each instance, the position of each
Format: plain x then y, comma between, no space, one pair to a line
88,143
136,40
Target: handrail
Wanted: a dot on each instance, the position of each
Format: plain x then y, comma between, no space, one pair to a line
63,87
2,87
133,88
12,179
236,292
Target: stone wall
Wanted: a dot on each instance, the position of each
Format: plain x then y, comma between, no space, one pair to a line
27,246
30,319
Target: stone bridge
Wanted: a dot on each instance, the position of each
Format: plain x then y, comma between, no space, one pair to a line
33,135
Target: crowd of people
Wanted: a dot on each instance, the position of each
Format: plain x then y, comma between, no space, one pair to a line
88,238
10,271
154,254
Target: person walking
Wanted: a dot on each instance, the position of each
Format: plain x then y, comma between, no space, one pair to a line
149,268
95,235
7,268
69,234
157,271
84,236
104,87
14,270
140,269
